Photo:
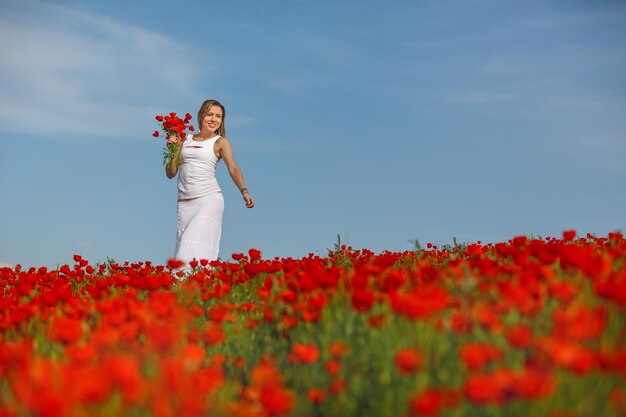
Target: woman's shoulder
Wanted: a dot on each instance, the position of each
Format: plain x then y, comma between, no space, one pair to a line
222,140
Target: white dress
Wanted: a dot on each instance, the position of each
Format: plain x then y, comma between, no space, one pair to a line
200,214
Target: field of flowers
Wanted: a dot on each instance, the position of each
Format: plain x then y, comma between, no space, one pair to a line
528,327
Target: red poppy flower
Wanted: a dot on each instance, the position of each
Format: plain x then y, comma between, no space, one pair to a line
303,353
333,367
124,370
420,302
218,312
163,337
277,400
288,295
94,388
431,400
214,335
192,356
534,384
613,288
569,234
579,323
376,320
80,355
362,300
478,355
493,388
519,336
316,395
569,355
255,254
460,323
408,361
65,330
265,374
175,263
337,386
339,349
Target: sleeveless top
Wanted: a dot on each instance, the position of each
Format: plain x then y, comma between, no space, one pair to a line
196,174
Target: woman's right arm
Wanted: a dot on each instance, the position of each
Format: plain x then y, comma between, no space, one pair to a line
171,169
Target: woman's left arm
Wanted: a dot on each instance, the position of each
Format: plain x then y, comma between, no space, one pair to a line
226,153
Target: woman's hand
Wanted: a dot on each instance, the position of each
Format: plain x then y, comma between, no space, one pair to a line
171,169
248,199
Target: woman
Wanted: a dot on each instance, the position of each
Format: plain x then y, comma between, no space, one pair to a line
200,200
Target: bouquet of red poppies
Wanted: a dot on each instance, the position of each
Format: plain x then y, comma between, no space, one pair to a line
172,125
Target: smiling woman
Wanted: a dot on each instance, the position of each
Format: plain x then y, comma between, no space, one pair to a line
200,200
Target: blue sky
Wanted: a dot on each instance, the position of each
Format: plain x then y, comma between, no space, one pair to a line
428,120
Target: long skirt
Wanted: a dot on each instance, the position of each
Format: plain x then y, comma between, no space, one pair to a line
199,228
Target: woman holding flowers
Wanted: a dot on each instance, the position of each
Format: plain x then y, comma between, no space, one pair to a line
200,200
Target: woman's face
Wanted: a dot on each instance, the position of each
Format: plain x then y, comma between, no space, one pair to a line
213,119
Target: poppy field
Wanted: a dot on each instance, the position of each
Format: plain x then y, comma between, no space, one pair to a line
527,327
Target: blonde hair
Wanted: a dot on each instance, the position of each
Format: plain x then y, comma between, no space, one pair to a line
204,109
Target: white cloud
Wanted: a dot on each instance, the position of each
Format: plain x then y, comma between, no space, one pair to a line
85,74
